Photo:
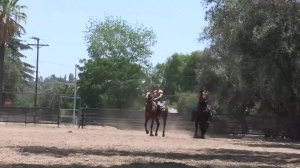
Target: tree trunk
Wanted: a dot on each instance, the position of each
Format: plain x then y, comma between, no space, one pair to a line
2,53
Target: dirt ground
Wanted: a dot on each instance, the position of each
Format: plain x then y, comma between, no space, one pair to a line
68,147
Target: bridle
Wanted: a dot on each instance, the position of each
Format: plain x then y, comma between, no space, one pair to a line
204,96
149,99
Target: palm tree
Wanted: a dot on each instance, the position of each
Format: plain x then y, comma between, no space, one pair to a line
10,14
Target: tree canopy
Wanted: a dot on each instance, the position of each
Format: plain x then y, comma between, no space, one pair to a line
17,74
114,74
114,37
255,46
11,14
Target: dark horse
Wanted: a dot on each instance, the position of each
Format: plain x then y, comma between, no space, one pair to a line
151,113
201,115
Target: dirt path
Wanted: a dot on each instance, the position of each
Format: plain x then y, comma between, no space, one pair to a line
46,147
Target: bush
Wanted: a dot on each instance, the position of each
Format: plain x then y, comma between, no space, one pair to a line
186,102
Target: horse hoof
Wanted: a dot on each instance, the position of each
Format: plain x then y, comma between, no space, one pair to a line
156,134
147,132
163,135
195,136
151,134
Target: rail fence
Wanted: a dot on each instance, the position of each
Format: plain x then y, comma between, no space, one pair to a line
36,115
221,124
134,120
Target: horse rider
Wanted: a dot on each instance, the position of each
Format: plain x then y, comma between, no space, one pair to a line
158,93
203,101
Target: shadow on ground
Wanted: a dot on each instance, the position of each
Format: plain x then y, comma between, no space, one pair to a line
227,155
132,165
271,144
282,145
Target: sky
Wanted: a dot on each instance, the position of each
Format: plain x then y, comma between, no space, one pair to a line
61,24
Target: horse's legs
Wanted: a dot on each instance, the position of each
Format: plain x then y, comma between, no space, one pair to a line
202,129
196,127
157,123
146,122
152,121
205,125
164,121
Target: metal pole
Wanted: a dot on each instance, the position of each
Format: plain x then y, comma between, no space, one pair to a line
36,72
75,92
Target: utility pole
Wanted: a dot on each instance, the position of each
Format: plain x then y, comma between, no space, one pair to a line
38,46
75,98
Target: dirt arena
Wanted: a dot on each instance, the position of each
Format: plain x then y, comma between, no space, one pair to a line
68,147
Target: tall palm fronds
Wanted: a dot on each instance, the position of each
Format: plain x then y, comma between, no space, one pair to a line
11,15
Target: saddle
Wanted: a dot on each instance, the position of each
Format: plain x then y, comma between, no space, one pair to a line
161,106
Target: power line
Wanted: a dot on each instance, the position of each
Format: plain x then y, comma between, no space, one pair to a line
28,93
180,76
48,92
55,63
38,46
58,64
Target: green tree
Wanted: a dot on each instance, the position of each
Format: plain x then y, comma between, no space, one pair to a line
52,95
114,38
52,79
114,76
257,43
188,76
211,73
16,46
71,78
11,14
156,75
173,73
177,74
186,101
113,83
18,74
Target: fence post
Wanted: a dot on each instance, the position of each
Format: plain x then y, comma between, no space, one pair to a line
79,117
34,117
237,126
82,120
25,118
274,126
58,117
213,127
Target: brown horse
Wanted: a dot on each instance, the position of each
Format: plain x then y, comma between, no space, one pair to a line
151,113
